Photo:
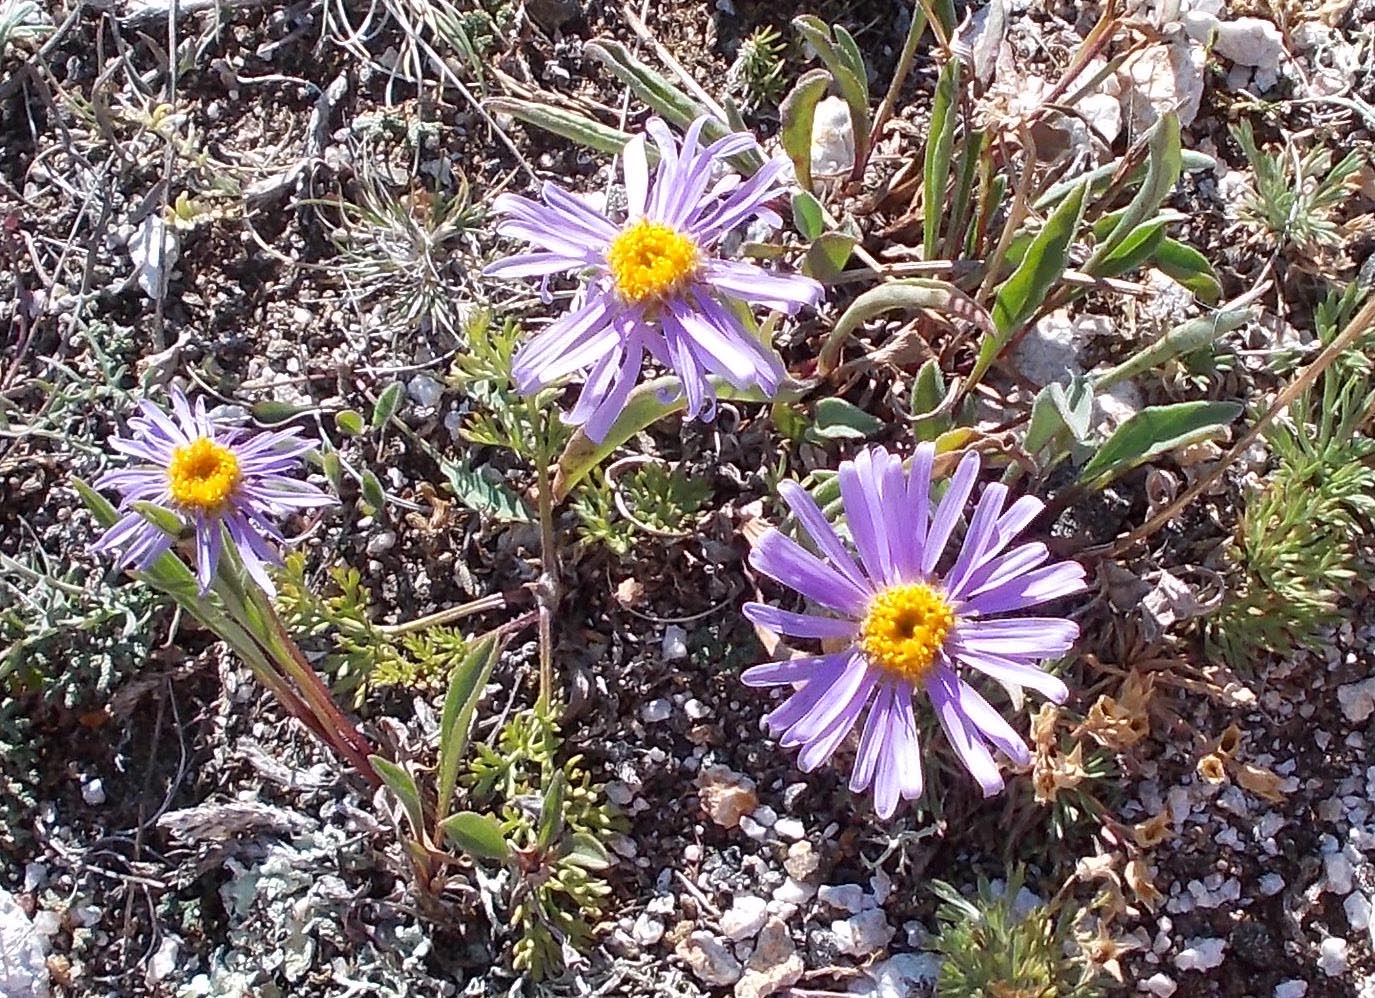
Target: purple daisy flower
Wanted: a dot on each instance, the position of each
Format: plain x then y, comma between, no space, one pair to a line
657,287
908,626
216,479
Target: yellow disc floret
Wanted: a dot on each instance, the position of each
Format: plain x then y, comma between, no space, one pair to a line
648,260
904,628
202,475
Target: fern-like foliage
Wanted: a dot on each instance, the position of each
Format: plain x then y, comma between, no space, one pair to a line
991,950
1297,548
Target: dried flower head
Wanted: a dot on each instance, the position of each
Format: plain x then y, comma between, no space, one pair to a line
904,625
217,479
657,285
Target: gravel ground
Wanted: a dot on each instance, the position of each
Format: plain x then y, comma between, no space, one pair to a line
168,831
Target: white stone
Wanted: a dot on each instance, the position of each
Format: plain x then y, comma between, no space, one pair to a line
425,391
1357,700
903,975
93,792
1357,908
863,934
790,828
1271,884
674,645
753,829
1291,989
709,959
846,897
656,711
647,931
793,891
833,138
1159,984
1337,873
745,917
23,952
164,961
1201,954
1249,41
1332,956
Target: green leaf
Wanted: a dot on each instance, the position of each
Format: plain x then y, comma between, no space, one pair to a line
349,422
837,419
481,491
1058,408
460,703
333,469
1133,251
1153,431
808,216
843,59
1190,268
1164,164
907,294
551,811
644,407
373,493
827,255
1098,179
798,114
939,146
568,125
479,835
585,851
788,419
270,411
403,785
387,404
1022,294
1182,339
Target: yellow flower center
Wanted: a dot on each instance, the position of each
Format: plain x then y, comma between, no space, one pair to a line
905,628
202,474
649,259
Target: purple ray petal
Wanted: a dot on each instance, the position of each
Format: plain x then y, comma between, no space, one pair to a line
787,562
798,625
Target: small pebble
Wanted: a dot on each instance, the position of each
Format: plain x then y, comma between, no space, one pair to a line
656,711
379,544
845,897
863,934
93,792
1332,956
675,643
790,828
1201,954
1159,984
1291,989
745,917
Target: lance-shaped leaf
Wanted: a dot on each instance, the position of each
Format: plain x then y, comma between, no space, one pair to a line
842,58
940,143
1190,268
798,115
1163,165
1020,296
907,294
402,784
460,703
479,835
567,124
1153,431
1184,338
